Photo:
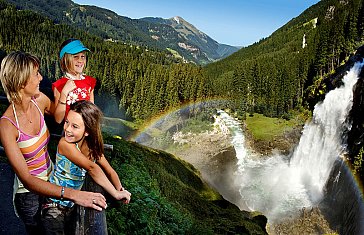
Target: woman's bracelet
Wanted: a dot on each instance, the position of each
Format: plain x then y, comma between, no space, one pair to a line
59,101
62,193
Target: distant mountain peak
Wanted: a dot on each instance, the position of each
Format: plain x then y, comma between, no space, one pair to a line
185,25
177,19
190,39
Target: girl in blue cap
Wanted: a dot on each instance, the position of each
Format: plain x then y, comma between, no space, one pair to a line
74,85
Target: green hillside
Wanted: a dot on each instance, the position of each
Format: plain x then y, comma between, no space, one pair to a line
293,69
169,197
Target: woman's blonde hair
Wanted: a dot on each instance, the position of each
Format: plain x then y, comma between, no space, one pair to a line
16,69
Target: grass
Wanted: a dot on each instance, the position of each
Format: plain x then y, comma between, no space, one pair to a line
117,126
175,53
266,128
197,126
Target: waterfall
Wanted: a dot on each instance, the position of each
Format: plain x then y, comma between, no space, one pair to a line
280,186
238,140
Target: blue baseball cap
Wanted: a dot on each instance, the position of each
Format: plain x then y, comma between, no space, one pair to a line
72,48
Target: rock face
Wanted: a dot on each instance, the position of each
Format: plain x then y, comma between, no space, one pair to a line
343,205
280,144
311,221
212,153
356,133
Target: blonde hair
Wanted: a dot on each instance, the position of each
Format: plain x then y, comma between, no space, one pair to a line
16,69
66,63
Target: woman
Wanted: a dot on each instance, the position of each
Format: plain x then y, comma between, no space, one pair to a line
24,136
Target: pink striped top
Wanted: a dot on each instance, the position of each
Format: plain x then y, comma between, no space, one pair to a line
34,149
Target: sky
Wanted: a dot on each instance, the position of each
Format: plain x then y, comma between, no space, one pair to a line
231,22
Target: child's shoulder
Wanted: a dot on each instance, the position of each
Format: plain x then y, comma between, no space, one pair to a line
64,146
59,84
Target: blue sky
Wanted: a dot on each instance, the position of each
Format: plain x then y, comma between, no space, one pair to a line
232,22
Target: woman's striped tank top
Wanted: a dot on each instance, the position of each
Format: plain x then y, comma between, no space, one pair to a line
34,149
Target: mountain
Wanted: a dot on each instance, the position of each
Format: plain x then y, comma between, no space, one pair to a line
197,41
178,36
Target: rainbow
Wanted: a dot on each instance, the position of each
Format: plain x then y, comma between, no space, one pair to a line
355,179
154,121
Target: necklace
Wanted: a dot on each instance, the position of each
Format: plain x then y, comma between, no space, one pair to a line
30,121
26,116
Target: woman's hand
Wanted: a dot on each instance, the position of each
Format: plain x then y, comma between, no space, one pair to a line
90,199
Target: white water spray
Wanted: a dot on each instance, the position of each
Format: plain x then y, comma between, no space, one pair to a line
278,186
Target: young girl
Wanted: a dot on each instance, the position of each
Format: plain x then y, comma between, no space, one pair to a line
75,84
24,136
80,151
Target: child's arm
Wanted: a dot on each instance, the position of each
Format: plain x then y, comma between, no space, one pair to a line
60,100
110,173
45,104
92,97
94,170
60,104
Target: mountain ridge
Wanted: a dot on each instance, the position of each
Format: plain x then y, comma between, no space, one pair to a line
111,26
196,38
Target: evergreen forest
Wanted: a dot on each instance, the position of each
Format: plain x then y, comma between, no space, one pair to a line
144,81
295,67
